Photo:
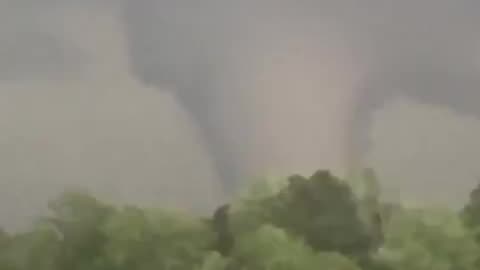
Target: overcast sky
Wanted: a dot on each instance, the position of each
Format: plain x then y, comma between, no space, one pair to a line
76,111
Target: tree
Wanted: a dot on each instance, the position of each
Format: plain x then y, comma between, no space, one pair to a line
36,249
78,218
322,210
307,223
272,248
428,239
221,227
214,261
471,211
154,239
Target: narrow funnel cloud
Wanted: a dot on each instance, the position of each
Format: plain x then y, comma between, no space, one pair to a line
299,85
270,87
246,71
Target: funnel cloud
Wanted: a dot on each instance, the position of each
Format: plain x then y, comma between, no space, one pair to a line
298,61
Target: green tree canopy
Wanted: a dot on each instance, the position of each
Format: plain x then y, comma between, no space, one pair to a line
303,223
429,239
321,209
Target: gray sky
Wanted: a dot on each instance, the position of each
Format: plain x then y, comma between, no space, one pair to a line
170,102
425,153
91,124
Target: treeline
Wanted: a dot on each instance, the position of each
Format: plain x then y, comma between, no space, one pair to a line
319,222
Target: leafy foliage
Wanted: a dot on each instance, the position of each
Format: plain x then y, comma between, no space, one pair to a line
302,223
138,239
272,248
471,211
429,239
322,210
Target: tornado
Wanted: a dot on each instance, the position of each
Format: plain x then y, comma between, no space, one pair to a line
281,87
270,87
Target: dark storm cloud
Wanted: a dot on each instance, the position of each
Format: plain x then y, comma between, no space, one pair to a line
419,48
